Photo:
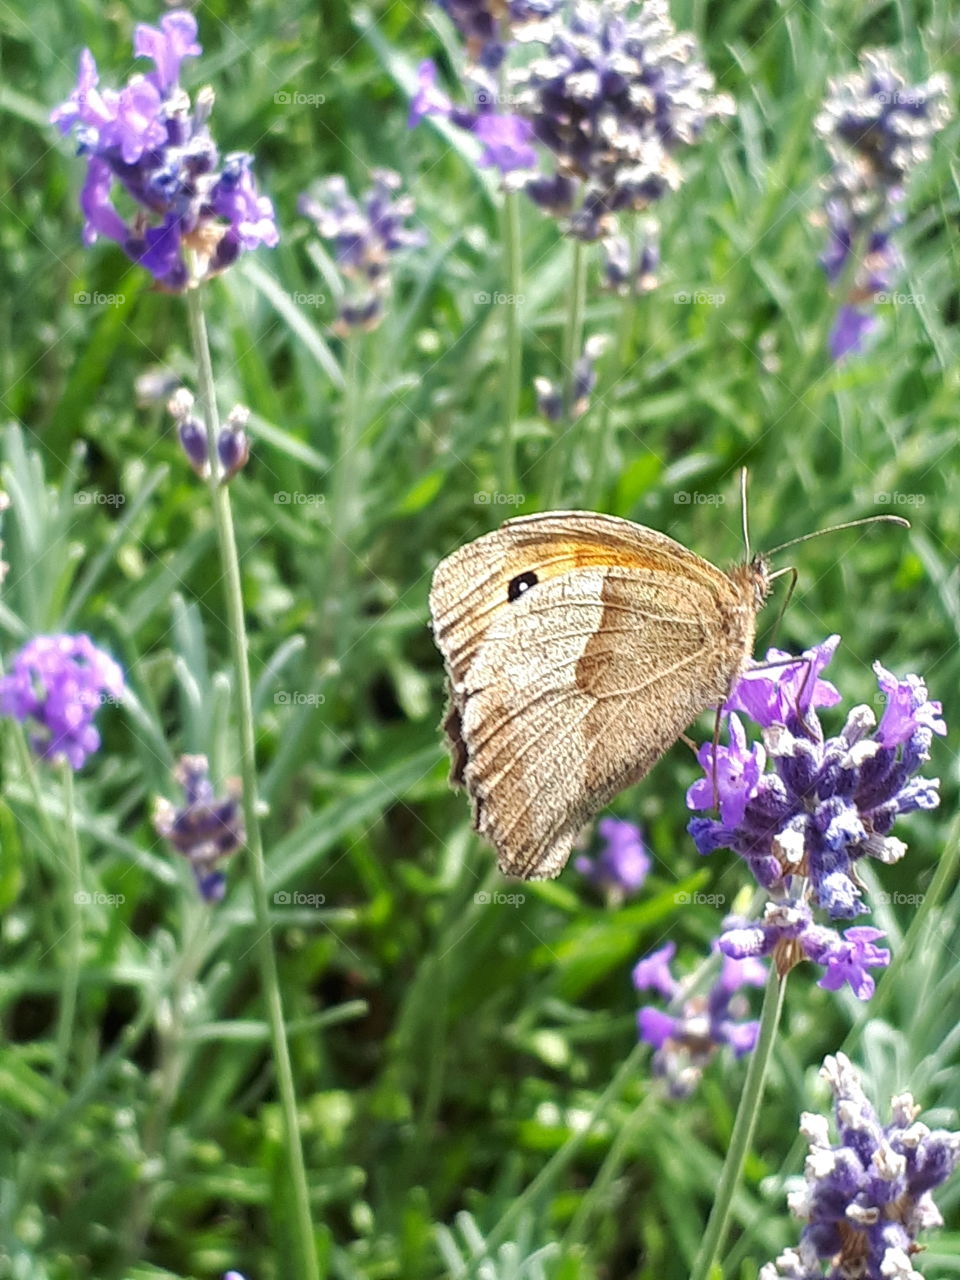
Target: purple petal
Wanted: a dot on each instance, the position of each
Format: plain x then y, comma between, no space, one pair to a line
653,972
849,330
175,40
506,142
655,1027
428,99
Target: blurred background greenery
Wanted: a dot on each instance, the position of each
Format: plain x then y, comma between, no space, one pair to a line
444,1050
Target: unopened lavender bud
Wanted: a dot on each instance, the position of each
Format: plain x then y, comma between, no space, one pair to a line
233,443
193,441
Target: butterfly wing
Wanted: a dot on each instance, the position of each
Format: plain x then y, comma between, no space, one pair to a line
568,692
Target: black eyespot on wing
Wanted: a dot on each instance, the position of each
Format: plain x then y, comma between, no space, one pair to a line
521,583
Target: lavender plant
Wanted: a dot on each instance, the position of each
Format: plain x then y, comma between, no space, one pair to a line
193,218
866,1198
687,1036
622,865
802,827
613,95
55,687
366,236
877,129
206,828
194,214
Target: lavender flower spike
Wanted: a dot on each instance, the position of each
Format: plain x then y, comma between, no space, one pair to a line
55,686
789,934
617,94
827,802
204,829
365,236
195,214
866,1197
877,130
622,865
687,1035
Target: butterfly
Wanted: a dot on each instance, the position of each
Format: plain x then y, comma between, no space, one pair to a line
578,647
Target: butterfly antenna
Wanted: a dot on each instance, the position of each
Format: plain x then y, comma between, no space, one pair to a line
743,513
835,528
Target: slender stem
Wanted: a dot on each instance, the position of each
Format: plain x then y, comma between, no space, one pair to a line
743,1127
345,487
513,350
230,566
562,446
603,438
71,978
28,769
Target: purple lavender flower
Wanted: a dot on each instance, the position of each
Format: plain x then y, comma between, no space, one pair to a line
867,1197
205,828
489,26
506,142
504,138
876,129
148,138
550,394
55,686
614,98
687,1035
623,863
789,934
827,802
626,269
850,329
907,708
734,771
365,237
233,444
783,685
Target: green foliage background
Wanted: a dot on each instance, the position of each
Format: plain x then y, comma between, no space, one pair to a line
444,1050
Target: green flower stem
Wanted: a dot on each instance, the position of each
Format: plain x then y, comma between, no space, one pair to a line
603,438
513,350
230,565
888,983
66,1016
743,1128
562,447
336,635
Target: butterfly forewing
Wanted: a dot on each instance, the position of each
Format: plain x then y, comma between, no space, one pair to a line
579,647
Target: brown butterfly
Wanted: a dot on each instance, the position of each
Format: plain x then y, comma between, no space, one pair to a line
578,647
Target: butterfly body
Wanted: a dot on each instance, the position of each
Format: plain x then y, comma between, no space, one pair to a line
578,647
